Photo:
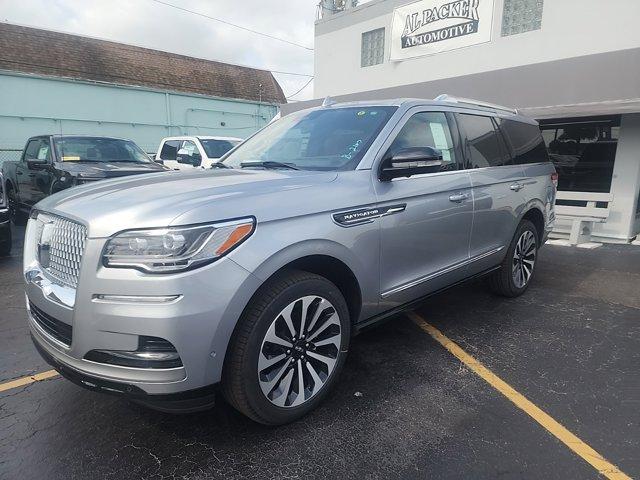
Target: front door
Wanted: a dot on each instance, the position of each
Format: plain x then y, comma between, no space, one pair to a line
34,180
425,239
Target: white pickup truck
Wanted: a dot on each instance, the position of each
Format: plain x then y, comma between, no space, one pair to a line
188,152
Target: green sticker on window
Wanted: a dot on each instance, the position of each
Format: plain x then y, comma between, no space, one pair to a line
361,113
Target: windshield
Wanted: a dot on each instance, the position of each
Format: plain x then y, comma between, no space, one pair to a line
98,149
217,148
325,139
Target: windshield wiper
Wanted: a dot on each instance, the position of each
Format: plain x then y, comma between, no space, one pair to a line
219,165
268,164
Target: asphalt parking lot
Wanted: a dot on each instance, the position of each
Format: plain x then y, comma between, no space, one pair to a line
405,407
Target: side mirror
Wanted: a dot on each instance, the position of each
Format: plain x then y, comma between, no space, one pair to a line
410,161
35,162
188,158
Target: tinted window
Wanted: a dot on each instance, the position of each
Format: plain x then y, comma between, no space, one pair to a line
482,146
322,139
427,129
98,149
32,148
170,150
583,151
525,141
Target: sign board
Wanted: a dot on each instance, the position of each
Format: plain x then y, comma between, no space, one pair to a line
433,26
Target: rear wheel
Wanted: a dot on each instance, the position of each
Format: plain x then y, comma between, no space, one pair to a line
288,348
519,264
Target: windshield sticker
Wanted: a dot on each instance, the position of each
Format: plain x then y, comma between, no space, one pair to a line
361,113
70,159
352,150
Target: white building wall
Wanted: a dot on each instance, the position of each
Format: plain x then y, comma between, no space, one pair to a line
626,180
570,28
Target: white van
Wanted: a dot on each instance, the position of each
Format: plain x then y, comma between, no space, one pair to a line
187,152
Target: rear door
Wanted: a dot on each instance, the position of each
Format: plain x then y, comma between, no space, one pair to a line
497,184
528,150
426,219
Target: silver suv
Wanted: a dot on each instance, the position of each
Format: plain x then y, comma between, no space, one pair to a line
254,275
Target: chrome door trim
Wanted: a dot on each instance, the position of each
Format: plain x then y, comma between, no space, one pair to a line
439,273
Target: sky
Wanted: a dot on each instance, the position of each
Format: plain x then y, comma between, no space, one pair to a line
153,25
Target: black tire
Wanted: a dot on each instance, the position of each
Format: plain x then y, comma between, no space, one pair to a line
5,243
240,383
17,216
502,281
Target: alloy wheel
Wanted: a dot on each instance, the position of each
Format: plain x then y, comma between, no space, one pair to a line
299,351
524,258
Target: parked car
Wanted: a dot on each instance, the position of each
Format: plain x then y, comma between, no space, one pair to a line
51,163
187,152
255,275
5,222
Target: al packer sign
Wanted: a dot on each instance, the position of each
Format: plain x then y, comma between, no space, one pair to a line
432,26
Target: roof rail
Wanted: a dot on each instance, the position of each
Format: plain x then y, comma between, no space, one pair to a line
468,101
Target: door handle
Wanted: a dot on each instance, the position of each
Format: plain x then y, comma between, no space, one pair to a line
516,187
458,197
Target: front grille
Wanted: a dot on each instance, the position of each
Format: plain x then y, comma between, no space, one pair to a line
57,329
66,246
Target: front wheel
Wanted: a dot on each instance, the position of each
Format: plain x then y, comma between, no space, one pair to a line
519,264
5,243
288,348
17,216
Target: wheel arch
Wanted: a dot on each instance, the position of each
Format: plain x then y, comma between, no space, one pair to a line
534,215
326,258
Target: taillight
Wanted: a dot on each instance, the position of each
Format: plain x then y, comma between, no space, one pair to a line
554,179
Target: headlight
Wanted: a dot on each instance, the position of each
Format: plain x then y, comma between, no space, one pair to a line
173,249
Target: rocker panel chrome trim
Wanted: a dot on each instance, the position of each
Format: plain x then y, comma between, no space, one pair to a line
444,271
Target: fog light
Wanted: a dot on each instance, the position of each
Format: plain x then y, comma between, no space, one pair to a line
152,352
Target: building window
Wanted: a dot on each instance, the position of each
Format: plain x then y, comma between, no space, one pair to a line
519,16
372,47
583,151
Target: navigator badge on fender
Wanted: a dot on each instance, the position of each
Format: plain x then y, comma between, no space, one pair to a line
365,215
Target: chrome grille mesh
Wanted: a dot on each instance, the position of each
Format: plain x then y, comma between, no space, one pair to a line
66,246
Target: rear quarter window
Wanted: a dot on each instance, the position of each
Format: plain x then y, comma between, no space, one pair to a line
525,141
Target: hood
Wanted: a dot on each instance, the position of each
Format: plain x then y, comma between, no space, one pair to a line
189,197
108,169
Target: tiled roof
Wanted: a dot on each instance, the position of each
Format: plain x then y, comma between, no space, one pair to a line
31,50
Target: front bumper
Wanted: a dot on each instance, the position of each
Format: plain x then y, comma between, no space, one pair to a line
199,324
189,400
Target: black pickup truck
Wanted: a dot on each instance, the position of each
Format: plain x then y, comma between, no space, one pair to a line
51,163
5,222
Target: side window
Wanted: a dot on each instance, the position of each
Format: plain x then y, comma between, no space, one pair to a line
170,150
526,142
427,129
482,145
32,149
44,151
191,148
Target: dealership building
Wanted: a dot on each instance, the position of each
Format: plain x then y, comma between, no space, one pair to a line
572,64
56,83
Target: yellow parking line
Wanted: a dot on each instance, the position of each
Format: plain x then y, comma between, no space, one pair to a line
587,453
20,382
